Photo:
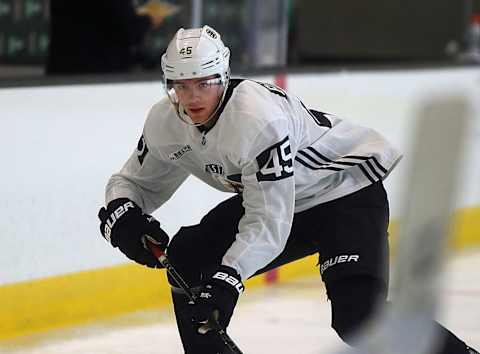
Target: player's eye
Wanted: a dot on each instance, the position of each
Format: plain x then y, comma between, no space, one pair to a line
178,86
204,84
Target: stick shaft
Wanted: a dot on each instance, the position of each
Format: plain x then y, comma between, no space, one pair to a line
162,258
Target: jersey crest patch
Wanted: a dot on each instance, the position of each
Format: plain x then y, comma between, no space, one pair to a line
142,150
214,168
276,162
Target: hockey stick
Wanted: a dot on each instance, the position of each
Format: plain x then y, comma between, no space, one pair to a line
192,297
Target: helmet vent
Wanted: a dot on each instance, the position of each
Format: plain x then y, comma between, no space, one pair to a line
211,33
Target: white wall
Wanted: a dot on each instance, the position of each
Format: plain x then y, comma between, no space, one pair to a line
61,144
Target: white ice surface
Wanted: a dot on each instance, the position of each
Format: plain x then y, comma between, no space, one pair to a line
286,318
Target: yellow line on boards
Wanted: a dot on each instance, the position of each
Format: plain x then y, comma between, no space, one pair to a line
78,298
59,301
466,228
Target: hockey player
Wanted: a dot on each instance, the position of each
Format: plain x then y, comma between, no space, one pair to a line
305,182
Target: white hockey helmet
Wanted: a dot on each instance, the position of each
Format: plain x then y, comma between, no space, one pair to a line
195,53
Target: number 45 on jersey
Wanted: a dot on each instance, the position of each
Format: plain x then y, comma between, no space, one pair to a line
275,162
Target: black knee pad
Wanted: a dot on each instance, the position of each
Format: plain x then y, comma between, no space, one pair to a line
354,300
200,248
184,253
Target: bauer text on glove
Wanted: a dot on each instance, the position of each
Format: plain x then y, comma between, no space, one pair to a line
125,226
218,296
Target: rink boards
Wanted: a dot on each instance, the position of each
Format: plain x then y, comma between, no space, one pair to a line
56,270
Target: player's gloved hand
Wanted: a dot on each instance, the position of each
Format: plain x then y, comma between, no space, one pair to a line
125,226
217,298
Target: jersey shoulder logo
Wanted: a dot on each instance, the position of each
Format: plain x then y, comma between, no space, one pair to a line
179,153
276,162
142,150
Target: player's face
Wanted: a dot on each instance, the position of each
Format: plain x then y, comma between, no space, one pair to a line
199,97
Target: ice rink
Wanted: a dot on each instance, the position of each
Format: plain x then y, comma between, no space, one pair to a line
285,318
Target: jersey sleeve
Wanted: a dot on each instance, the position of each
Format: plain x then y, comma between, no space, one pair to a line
349,146
145,178
268,199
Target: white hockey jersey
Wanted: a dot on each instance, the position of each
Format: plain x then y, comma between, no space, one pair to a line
267,145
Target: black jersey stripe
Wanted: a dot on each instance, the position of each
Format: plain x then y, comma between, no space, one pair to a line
311,158
331,168
346,163
363,169
315,158
365,158
367,162
380,167
306,164
323,157
372,158
375,168
338,162
356,157
330,163
370,166
315,161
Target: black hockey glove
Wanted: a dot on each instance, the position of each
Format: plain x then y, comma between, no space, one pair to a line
217,298
125,226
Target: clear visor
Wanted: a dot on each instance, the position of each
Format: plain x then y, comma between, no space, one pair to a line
181,88
201,86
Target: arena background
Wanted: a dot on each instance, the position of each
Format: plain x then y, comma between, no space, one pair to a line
373,63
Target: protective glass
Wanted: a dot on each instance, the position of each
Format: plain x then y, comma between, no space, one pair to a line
203,86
